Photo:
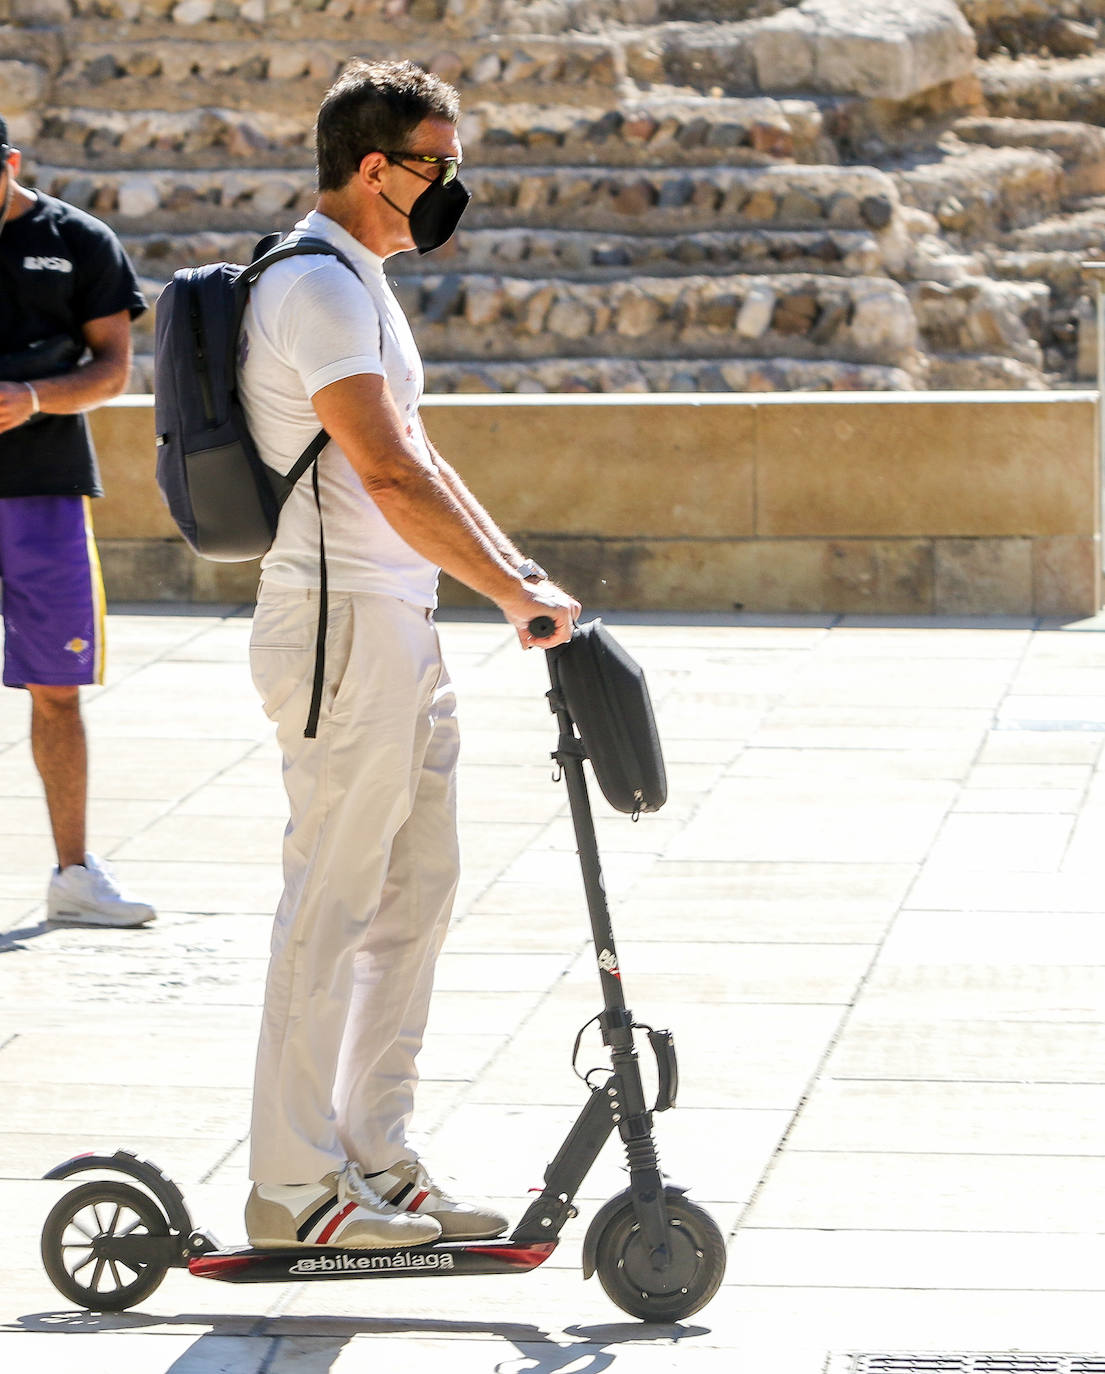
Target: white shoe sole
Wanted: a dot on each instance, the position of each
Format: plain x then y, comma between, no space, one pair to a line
83,916
391,1243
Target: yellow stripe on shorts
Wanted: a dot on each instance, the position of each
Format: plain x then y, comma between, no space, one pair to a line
99,600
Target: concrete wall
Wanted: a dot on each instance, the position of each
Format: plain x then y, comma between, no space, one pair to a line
941,503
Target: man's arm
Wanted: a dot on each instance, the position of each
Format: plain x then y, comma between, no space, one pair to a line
420,504
103,377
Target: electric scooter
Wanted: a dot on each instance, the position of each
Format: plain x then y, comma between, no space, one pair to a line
108,1243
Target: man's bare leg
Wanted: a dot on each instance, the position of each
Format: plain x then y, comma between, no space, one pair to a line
60,753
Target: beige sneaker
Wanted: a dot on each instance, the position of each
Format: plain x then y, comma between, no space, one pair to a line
341,1210
408,1186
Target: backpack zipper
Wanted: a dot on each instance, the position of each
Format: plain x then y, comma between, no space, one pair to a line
196,321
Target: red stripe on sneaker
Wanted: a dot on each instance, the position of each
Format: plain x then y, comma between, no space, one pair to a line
332,1225
417,1201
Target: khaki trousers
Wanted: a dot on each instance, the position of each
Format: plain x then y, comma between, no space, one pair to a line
370,871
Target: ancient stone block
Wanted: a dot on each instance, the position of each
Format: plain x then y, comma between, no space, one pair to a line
636,313
570,319
639,128
773,139
891,51
1066,575
536,308
486,69
783,52
794,314
443,300
718,312
193,11
754,318
483,303
883,325
634,198
876,211
760,205
675,191
138,196
798,206
982,576
145,570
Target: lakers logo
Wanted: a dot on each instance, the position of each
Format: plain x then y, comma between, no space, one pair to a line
77,646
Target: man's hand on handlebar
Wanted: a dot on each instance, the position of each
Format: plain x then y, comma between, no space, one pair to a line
541,599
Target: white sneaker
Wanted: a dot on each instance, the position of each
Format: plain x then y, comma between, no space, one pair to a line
341,1210
408,1186
88,895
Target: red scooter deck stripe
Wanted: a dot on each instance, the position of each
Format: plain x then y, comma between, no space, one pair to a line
333,1224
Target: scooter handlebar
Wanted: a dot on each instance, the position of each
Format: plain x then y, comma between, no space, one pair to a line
542,626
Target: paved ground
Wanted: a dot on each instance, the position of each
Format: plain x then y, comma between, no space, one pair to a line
873,912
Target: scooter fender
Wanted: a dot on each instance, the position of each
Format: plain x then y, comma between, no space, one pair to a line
125,1162
603,1217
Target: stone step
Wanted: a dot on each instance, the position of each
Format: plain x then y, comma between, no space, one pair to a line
669,375
1071,306
461,318
1080,231
853,319
639,131
984,372
321,18
583,256
290,75
978,192
644,129
665,199
600,374
1038,88
1007,318
224,19
1080,147
822,47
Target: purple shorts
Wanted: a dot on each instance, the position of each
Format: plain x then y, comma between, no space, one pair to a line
52,592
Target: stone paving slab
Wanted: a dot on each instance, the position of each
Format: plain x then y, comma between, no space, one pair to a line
872,913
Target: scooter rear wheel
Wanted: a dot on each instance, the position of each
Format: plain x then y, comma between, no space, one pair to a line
76,1228
625,1269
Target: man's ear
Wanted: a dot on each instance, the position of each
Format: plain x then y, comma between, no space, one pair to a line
13,161
370,172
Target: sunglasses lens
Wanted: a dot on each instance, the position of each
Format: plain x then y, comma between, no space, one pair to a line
448,172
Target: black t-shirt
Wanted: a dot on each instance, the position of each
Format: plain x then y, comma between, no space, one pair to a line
59,268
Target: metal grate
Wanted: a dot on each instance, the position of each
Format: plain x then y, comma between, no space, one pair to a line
920,1362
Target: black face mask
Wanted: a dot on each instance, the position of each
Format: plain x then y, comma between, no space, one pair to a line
436,213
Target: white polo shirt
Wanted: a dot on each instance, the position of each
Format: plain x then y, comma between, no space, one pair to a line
309,323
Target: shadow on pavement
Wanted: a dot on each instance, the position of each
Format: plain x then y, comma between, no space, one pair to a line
543,1354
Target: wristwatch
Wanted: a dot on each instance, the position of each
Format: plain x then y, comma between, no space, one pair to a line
530,570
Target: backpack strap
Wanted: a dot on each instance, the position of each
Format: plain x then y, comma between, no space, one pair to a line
311,729
297,246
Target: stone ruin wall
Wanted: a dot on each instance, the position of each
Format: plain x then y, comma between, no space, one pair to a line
669,195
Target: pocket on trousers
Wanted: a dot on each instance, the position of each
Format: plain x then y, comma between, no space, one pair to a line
282,648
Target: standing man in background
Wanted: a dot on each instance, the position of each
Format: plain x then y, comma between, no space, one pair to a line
66,287
370,854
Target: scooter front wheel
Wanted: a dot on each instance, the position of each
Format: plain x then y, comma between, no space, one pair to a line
625,1269
79,1231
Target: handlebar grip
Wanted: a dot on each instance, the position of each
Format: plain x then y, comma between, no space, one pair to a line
542,626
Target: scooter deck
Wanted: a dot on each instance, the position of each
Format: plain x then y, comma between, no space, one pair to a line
245,1264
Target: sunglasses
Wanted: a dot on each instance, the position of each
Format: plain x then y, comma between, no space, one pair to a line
449,165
